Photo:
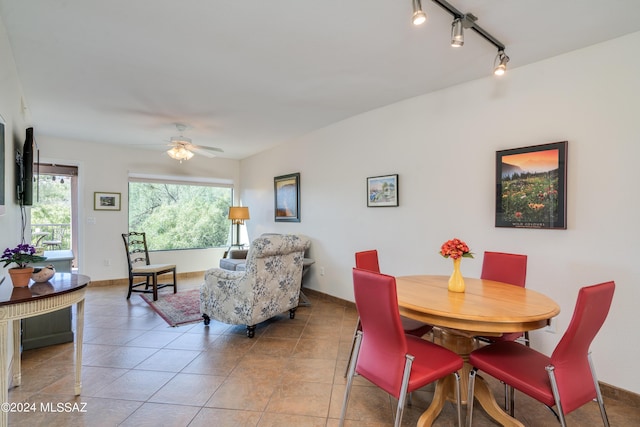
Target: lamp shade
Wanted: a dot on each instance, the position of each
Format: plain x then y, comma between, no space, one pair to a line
237,214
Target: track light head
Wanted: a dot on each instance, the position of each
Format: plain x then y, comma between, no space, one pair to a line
501,68
457,33
418,17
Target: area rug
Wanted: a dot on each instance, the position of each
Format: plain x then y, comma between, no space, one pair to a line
177,309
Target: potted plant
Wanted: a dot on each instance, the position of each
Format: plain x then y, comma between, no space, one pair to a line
22,255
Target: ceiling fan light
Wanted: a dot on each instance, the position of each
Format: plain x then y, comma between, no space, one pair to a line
179,153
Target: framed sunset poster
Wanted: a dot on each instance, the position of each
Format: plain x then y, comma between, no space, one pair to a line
531,187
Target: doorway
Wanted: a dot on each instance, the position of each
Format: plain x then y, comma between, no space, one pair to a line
54,213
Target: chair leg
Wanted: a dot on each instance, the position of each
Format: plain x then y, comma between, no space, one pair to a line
603,412
458,399
351,372
175,283
130,287
353,346
251,331
155,287
403,389
556,395
472,383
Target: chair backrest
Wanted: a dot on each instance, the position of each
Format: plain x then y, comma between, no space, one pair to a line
135,244
504,267
382,352
368,260
570,357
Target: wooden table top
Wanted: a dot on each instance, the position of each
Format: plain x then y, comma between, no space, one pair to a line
59,284
486,306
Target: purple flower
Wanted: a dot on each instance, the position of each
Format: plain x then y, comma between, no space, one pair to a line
22,255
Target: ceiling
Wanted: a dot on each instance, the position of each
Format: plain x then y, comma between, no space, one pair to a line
248,75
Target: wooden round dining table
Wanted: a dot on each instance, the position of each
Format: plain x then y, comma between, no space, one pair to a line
485,308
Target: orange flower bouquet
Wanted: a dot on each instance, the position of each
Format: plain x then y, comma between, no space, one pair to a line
455,248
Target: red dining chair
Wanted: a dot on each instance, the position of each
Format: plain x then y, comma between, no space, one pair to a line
368,260
385,355
506,268
567,379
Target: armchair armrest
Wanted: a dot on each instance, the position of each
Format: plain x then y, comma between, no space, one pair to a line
238,254
226,296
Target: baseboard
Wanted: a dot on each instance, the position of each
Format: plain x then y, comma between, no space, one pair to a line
329,298
625,397
125,281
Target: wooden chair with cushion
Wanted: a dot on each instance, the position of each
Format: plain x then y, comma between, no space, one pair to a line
135,244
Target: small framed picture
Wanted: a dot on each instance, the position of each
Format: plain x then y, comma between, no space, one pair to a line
382,191
106,201
287,197
531,187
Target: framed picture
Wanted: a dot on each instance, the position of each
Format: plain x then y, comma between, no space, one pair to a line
287,197
106,201
531,187
382,191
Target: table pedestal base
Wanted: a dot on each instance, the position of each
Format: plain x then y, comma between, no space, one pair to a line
463,343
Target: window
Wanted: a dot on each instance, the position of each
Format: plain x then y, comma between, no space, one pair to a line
178,215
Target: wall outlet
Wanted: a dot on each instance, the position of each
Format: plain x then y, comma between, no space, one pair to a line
322,271
107,263
551,326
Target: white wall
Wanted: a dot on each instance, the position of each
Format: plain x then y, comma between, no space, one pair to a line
443,147
105,168
15,119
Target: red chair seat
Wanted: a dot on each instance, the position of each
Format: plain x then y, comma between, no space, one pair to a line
505,359
441,362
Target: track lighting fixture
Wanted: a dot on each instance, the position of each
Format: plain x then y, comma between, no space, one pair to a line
502,66
457,33
461,21
419,17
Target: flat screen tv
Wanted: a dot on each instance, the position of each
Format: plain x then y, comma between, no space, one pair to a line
24,171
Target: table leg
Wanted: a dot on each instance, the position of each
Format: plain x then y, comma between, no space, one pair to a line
485,397
463,344
17,359
4,380
79,332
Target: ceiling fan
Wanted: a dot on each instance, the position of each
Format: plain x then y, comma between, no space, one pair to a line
183,149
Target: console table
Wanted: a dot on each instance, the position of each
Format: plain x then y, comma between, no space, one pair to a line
52,328
61,291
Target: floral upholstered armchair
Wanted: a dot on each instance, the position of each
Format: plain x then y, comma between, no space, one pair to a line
269,286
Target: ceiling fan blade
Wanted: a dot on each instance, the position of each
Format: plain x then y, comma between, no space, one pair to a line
199,150
204,147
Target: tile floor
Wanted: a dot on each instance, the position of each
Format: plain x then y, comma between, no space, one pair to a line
138,371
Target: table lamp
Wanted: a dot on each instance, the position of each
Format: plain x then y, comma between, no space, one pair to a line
237,215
